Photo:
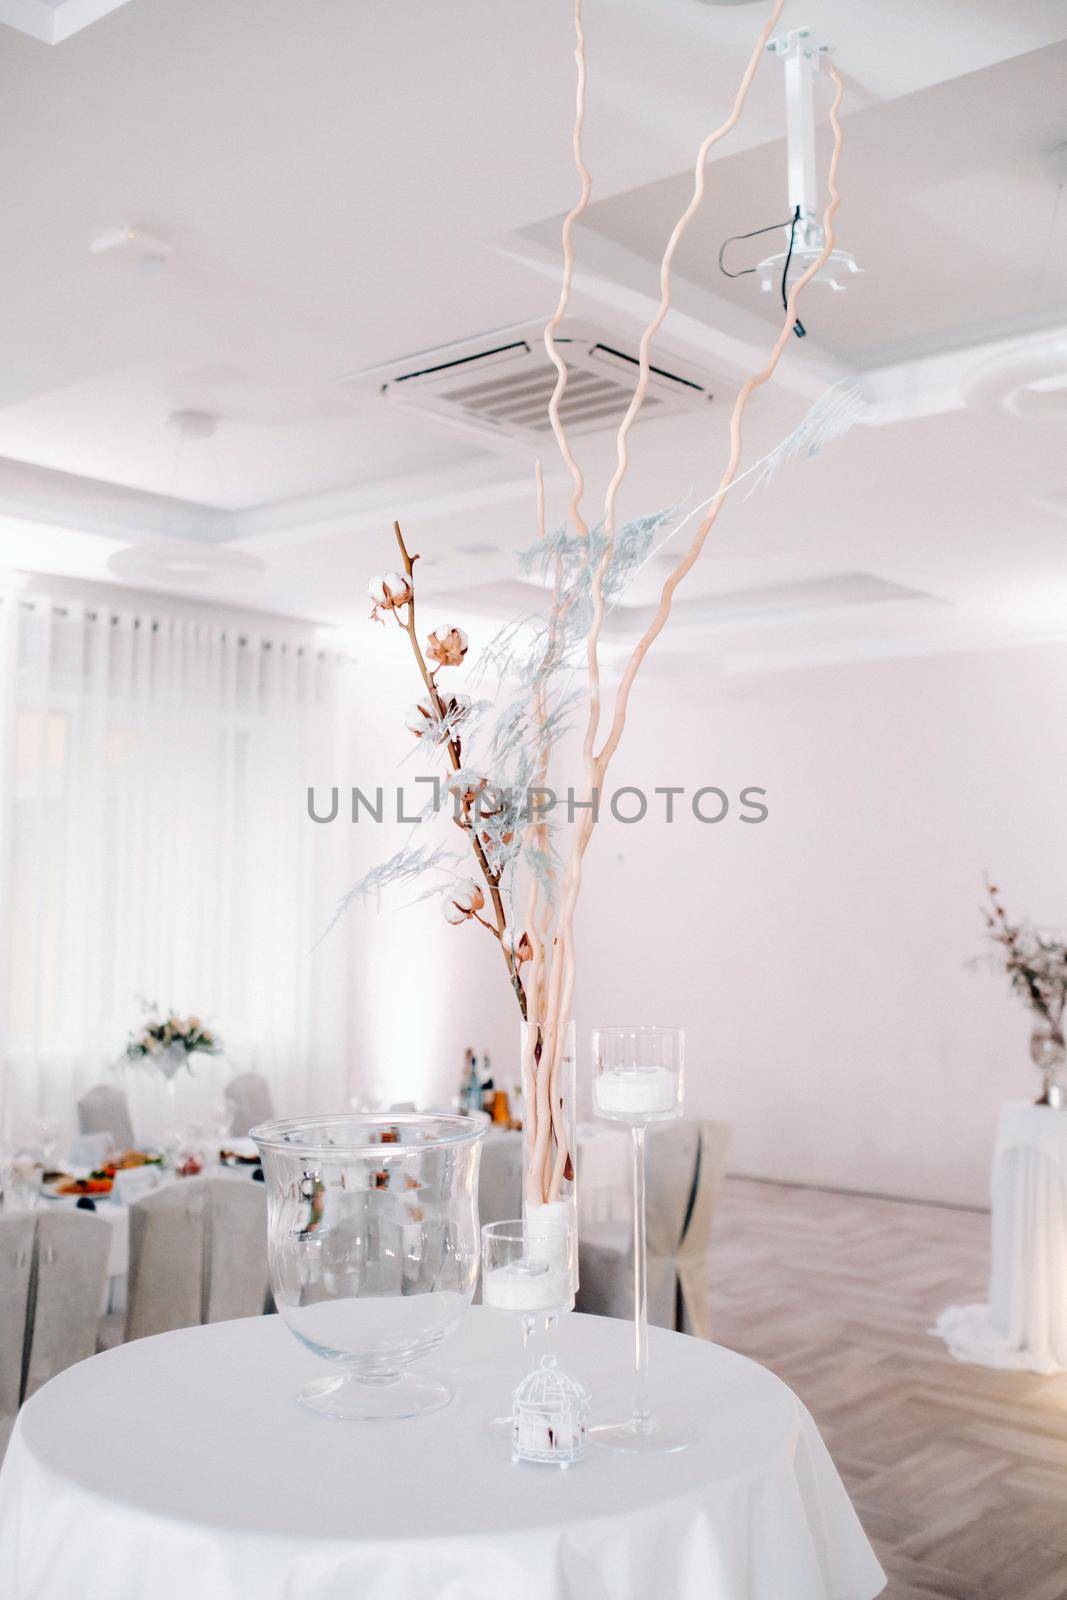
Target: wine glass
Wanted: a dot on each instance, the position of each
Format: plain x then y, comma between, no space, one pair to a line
639,1080
45,1140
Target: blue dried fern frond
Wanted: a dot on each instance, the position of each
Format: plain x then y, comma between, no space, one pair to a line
833,415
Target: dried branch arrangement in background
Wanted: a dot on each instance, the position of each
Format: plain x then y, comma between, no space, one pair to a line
1035,962
514,855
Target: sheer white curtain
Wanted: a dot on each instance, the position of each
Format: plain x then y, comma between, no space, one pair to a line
155,843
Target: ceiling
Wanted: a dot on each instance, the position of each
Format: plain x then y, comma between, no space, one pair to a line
345,187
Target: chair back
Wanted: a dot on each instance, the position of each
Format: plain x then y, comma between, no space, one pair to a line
671,1174
500,1178
685,1167
105,1109
67,1292
165,1283
16,1261
236,1275
694,1253
249,1097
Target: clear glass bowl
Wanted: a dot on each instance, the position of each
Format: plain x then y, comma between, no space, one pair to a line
373,1243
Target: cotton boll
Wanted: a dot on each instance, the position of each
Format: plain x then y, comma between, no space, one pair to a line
447,646
461,901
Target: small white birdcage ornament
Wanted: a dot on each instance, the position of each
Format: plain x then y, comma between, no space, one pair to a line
549,1416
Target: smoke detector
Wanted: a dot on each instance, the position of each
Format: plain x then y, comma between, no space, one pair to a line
193,424
495,388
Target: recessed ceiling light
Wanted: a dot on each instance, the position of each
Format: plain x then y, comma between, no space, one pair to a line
176,561
143,250
1028,382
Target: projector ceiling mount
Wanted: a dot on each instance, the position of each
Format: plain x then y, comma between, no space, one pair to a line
802,56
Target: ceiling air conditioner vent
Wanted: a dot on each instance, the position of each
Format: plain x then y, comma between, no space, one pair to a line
496,389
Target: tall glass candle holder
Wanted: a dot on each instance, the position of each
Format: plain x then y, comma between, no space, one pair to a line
549,1145
639,1080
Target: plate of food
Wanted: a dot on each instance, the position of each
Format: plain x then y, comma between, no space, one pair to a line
65,1186
98,1184
130,1160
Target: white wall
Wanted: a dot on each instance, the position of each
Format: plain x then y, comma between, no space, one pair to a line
817,960
421,991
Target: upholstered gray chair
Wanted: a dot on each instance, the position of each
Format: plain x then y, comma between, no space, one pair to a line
236,1276
198,1253
686,1167
249,1097
105,1109
16,1261
66,1293
165,1284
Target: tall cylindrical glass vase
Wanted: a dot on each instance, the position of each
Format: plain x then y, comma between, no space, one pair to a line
549,1144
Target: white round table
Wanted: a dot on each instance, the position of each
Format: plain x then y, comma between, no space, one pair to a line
1024,1323
180,1465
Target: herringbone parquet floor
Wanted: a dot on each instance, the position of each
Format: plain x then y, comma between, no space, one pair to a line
959,1473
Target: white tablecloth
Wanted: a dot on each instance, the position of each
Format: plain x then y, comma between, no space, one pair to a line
1024,1323
181,1465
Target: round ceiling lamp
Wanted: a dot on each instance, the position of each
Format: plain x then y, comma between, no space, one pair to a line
180,561
1028,382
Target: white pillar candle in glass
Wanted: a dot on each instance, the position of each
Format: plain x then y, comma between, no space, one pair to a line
637,1094
521,1275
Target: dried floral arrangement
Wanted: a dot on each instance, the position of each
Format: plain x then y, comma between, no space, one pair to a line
513,856
1035,962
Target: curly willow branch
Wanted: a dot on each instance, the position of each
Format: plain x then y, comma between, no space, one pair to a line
586,187
595,765
656,626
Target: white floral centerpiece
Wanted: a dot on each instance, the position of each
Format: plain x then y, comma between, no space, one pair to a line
165,1044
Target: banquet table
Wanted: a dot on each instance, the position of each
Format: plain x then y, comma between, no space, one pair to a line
1024,1322
181,1465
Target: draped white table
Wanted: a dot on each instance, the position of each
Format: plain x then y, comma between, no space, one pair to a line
1024,1323
181,1465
